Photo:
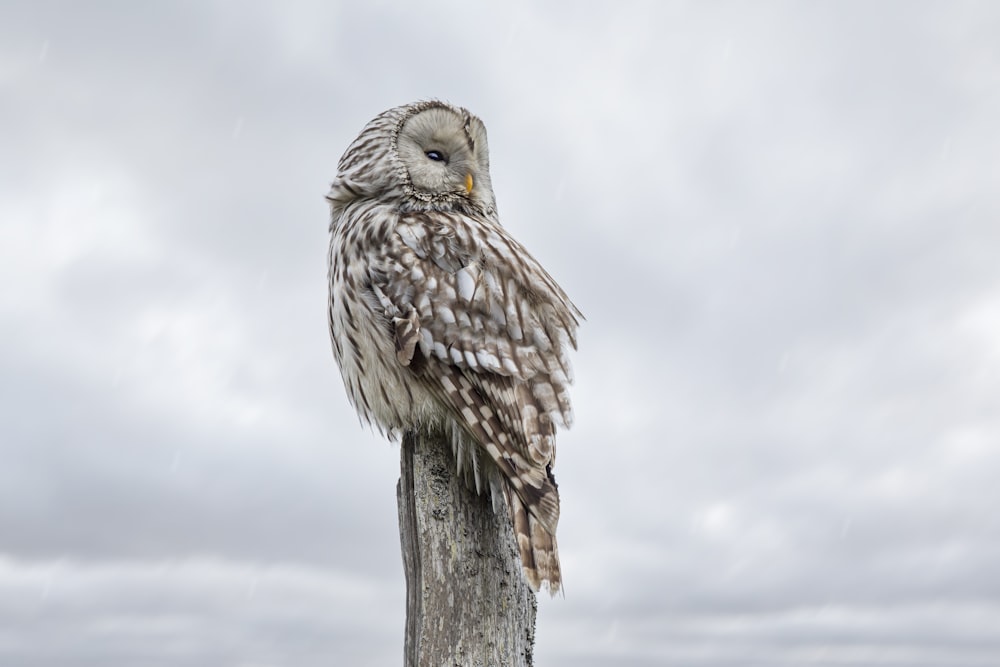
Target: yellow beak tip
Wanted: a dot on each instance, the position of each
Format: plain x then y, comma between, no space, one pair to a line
468,183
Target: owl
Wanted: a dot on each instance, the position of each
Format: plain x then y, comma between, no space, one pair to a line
442,323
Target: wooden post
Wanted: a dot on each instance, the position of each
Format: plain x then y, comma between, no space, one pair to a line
467,602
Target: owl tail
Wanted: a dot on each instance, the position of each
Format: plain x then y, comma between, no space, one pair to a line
539,553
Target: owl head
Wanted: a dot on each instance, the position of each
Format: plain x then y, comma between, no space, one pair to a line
422,156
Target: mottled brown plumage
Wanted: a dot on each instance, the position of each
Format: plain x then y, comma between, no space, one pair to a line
441,321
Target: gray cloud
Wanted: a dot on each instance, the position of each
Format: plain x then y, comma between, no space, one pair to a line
778,219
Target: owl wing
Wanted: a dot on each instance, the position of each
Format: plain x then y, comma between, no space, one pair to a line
476,316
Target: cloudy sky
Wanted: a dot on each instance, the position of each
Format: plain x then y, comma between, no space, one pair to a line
780,219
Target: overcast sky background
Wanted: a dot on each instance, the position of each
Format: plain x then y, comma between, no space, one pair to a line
782,221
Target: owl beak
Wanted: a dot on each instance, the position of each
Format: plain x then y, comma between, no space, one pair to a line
468,183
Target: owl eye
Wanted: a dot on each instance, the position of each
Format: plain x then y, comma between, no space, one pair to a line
437,156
